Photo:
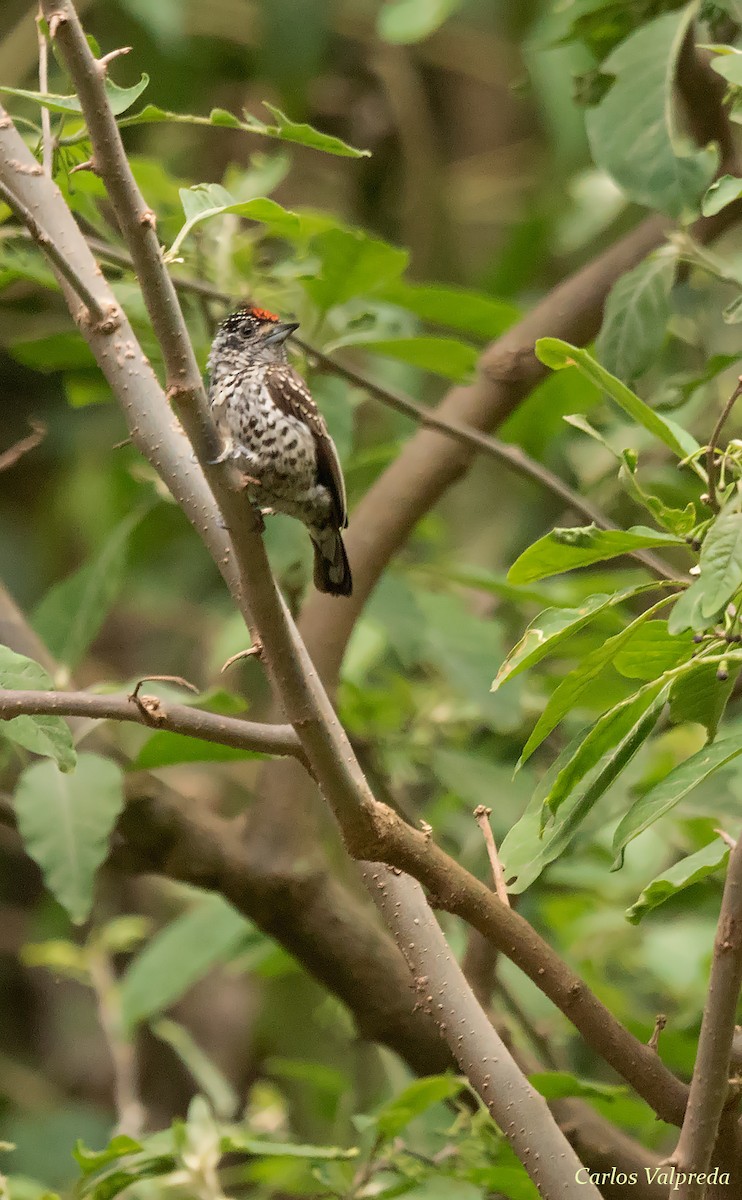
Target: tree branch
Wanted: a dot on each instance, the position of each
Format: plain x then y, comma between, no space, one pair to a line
522,1114
176,718
709,1089
365,824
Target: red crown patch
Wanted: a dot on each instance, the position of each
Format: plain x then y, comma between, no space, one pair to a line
262,314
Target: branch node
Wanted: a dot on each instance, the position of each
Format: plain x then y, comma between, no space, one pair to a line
659,1024
102,64
254,651
26,168
148,218
88,165
55,20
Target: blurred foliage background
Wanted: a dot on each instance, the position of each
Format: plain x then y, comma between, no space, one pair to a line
480,167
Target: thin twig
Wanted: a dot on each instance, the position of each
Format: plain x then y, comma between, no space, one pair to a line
709,1089
178,718
98,314
11,456
659,1024
184,683
482,816
47,145
711,465
129,1108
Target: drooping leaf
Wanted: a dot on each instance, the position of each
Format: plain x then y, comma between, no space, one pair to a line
670,791
528,848
405,21
65,821
686,612
178,956
119,98
351,264
632,131
470,312
565,549
700,696
551,628
71,614
721,562
567,695
557,354
440,355
46,735
675,879
635,317
608,731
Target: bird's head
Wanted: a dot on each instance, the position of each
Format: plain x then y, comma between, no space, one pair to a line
251,333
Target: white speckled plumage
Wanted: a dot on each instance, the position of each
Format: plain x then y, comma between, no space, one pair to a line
273,432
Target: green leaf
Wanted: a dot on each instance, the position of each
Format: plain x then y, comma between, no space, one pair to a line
442,356
632,131
119,98
565,549
165,749
555,1085
178,956
673,788
236,1140
351,264
470,312
566,696
528,849
651,650
675,520
405,21
207,200
608,731
71,614
414,1100
65,821
721,562
207,1076
552,627
301,134
92,1160
284,130
47,735
555,353
675,879
722,192
700,696
686,613
728,64
636,314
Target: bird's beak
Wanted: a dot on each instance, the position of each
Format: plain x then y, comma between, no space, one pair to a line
279,333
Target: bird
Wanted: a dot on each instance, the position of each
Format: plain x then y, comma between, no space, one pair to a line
273,432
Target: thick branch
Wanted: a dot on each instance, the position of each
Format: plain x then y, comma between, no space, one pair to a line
522,1114
709,1089
177,718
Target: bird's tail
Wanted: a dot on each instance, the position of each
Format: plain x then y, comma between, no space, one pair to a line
331,566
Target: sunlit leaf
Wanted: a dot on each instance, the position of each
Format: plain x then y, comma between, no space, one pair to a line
675,879
555,353
565,549
660,799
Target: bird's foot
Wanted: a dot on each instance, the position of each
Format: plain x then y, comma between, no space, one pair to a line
227,453
247,481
